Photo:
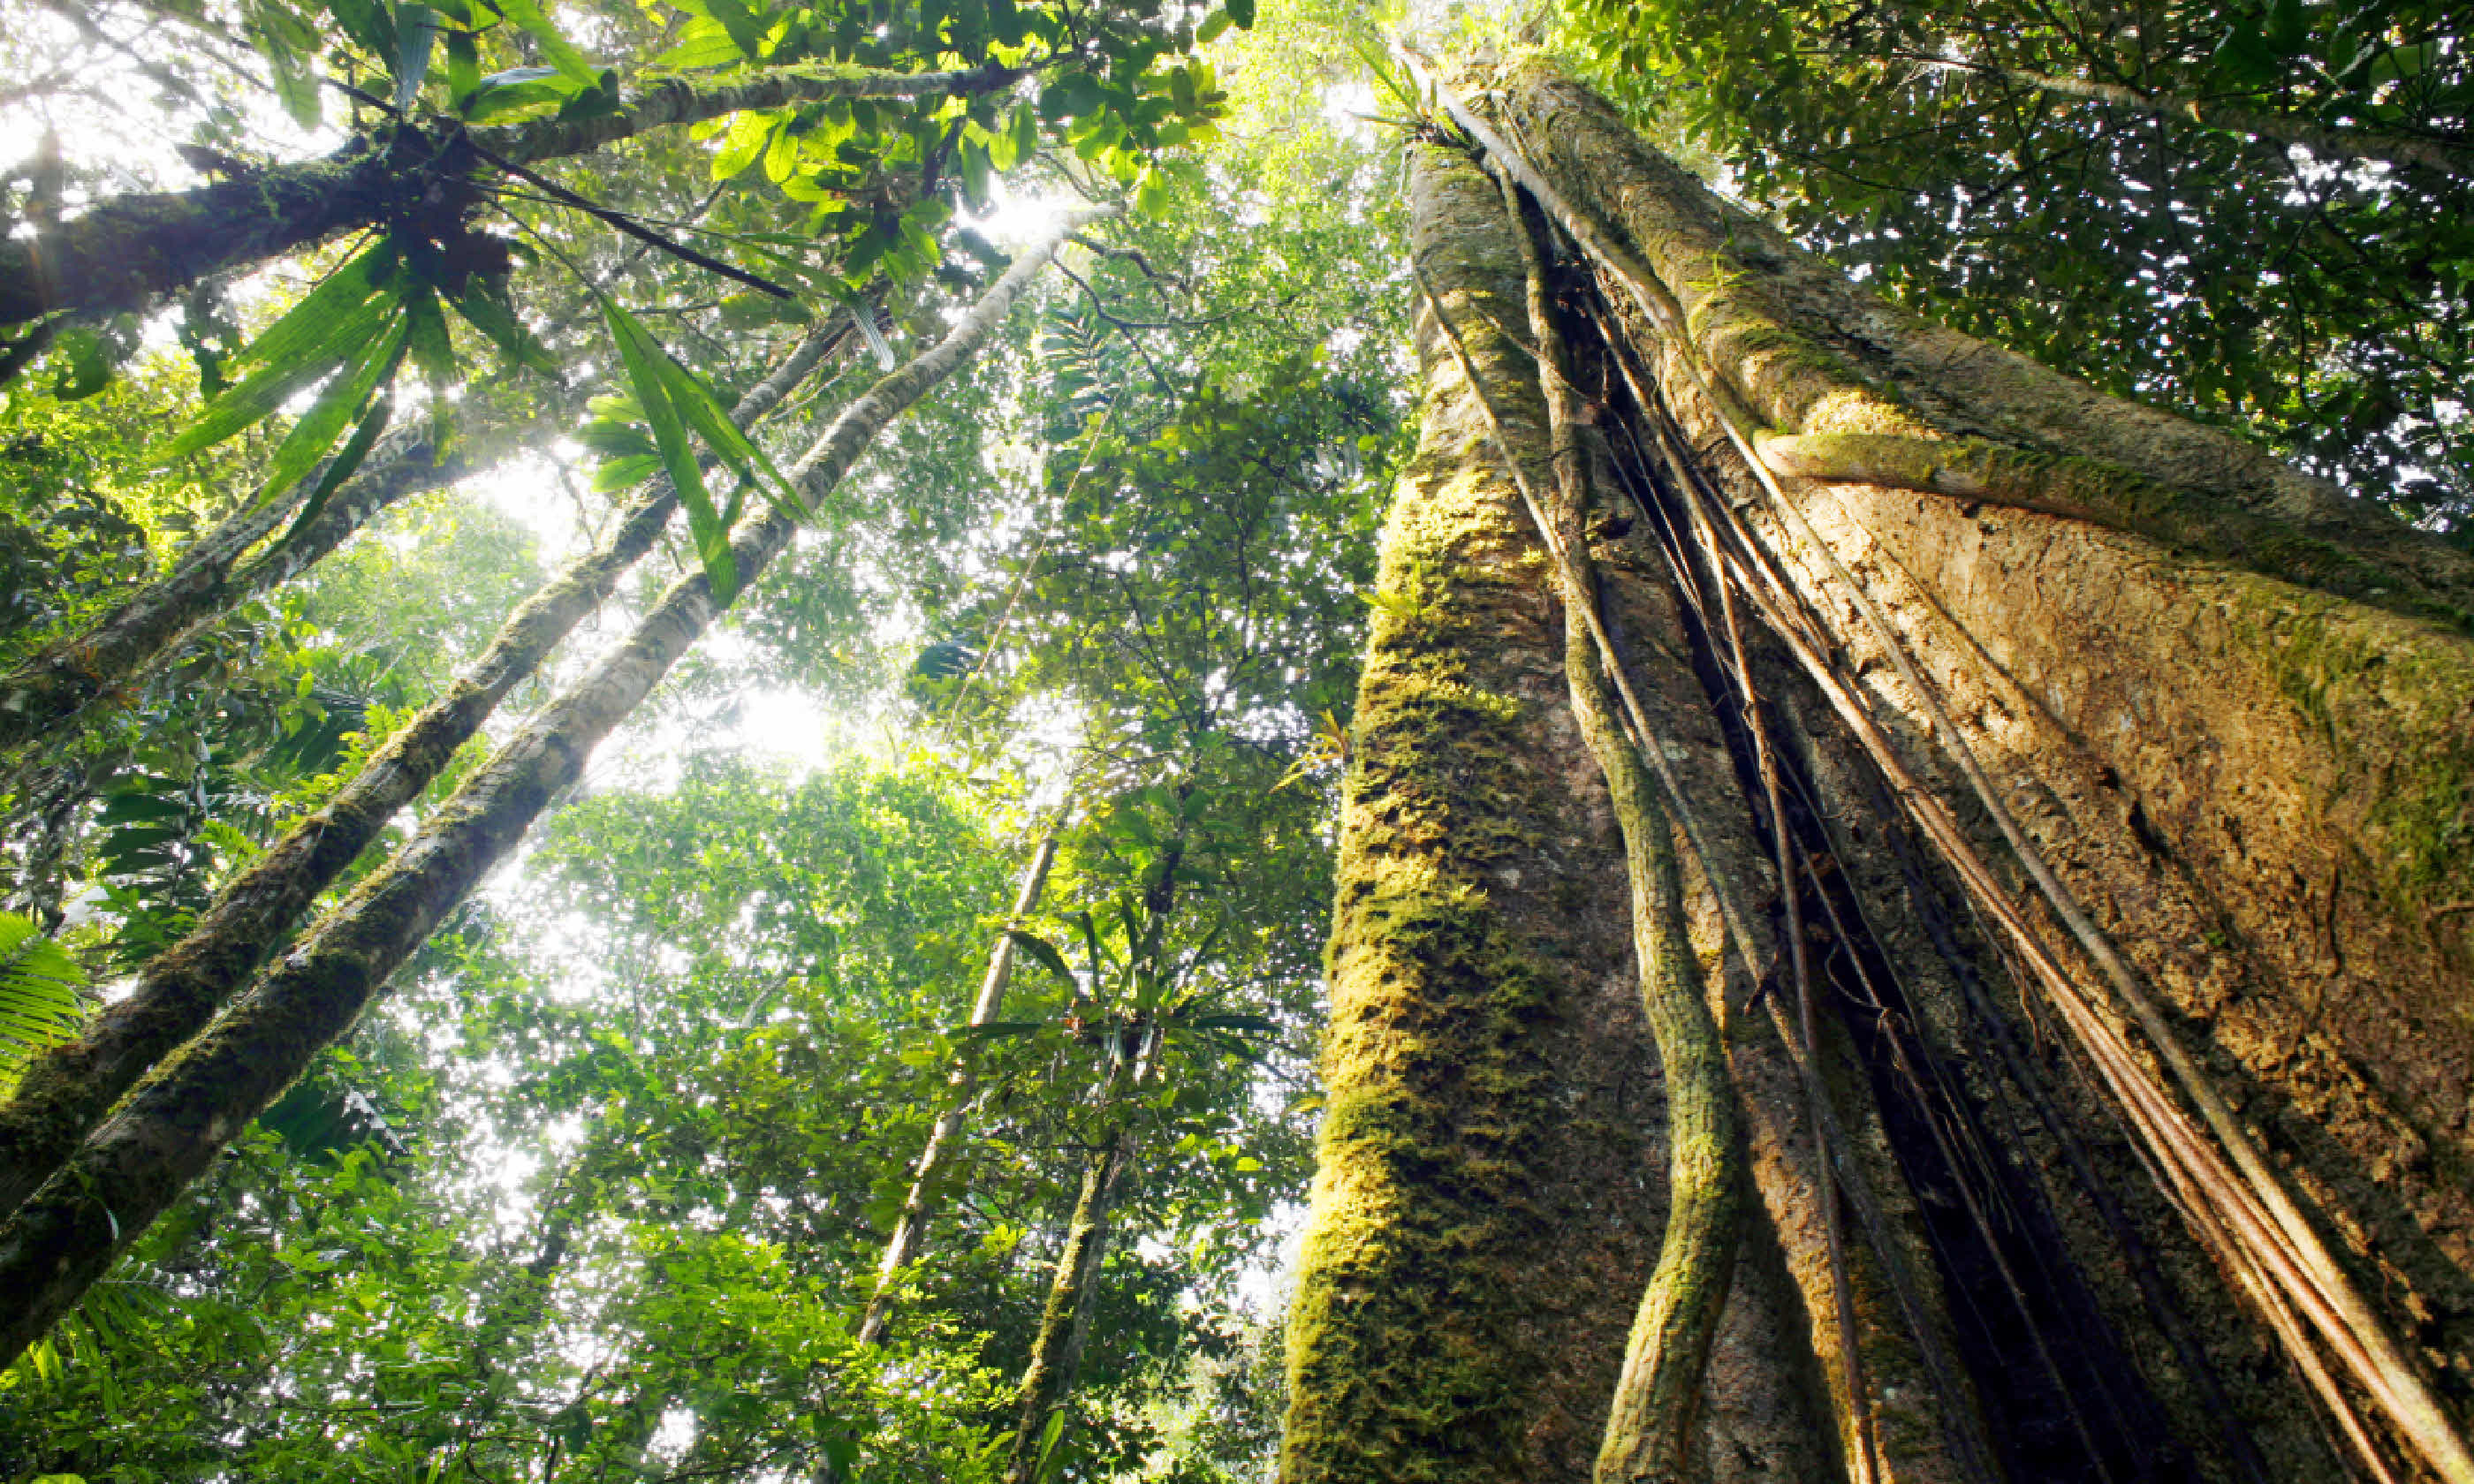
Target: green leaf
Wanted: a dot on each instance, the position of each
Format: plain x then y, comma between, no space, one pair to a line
746,140
495,320
415,29
80,367
367,23
1044,951
343,465
334,410
994,1030
745,30
703,42
334,323
561,52
1214,26
1242,11
514,91
40,1000
463,70
643,360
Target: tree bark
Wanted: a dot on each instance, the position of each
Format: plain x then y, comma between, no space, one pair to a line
177,1121
68,1088
1996,733
919,1206
1074,1292
125,253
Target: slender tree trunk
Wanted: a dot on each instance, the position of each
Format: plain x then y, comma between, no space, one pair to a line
69,1088
2034,769
944,1140
123,255
176,1122
113,657
1073,1293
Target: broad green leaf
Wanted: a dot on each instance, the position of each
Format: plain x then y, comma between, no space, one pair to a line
333,324
516,91
994,1030
561,52
745,142
463,70
493,319
745,30
344,464
645,360
703,42
1044,951
334,410
1242,12
367,23
415,29
80,367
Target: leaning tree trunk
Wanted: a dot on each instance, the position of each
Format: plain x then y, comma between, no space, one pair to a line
68,1088
2123,816
1064,1331
114,655
178,1120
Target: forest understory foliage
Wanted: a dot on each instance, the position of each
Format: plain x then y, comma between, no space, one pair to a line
1015,740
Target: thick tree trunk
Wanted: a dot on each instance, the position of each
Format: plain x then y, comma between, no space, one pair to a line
177,1121
125,253
2173,738
68,1088
944,1140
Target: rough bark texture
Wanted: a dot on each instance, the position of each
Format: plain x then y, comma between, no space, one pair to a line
184,1114
1074,1292
1489,1197
68,1088
2261,790
2250,781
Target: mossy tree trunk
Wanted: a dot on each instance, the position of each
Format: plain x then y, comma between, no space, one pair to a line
182,1116
2079,741
67,1089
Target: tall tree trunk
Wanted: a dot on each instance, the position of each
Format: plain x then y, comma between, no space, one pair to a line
1041,1402
178,1120
944,1139
68,1088
2003,731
